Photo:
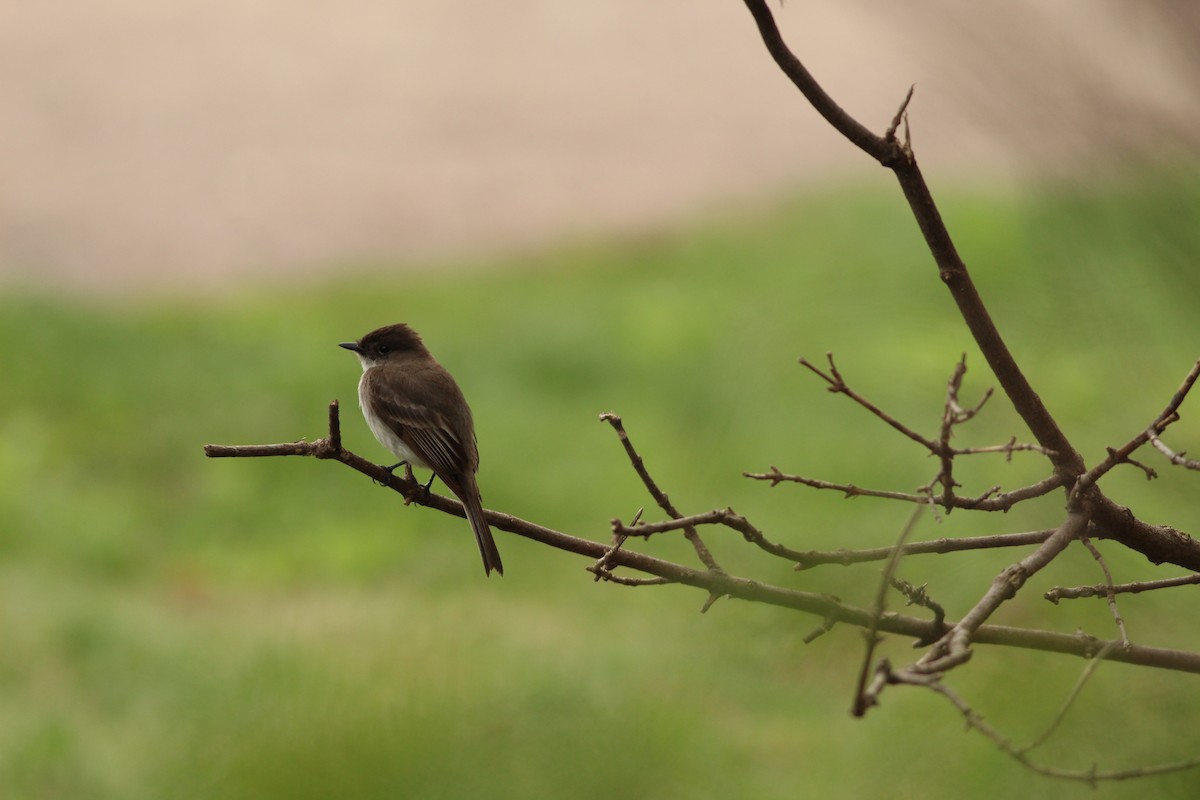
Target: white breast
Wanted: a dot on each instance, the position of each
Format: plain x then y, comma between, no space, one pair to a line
382,432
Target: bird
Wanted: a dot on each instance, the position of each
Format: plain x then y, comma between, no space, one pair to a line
417,412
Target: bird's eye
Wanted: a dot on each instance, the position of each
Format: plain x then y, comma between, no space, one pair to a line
383,349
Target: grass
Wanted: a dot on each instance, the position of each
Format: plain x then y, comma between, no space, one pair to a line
185,628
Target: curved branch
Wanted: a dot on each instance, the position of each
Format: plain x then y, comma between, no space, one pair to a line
899,158
878,148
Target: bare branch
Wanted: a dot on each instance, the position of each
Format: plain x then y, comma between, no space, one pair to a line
952,414
1084,677
989,501
717,583
1013,446
839,386
852,129
825,627
955,647
1159,543
862,698
720,516
919,596
900,159
1176,458
812,558
901,114
976,721
1109,594
1101,590
603,574
658,494
1121,455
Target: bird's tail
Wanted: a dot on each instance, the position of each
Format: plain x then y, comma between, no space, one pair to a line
483,534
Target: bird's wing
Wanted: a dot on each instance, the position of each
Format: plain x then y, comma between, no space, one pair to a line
427,432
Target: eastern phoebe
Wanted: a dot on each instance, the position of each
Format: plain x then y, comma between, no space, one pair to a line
416,410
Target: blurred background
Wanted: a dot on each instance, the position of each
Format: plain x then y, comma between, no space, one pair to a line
612,206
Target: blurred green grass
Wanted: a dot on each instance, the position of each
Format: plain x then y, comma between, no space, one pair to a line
192,628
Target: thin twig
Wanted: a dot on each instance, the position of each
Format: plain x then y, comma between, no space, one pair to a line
919,596
825,627
862,699
955,647
989,501
1175,458
952,414
719,516
812,558
600,568
974,720
901,114
658,494
603,574
1101,590
1013,446
1109,594
1121,455
839,386
1085,676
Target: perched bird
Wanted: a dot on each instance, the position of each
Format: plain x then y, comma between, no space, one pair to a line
416,410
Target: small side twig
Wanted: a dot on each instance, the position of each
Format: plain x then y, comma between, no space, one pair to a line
838,385
1175,458
1084,677
812,558
955,647
1101,590
621,580
975,721
988,501
825,627
1109,594
658,494
1120,455
601,567
864,699
719,516
901,115
919,596
1012,446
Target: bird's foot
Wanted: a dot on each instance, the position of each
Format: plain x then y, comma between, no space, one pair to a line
392,469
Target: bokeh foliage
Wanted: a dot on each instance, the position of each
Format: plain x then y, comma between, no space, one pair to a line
281,628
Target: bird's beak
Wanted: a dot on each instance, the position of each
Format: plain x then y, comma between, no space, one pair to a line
351,346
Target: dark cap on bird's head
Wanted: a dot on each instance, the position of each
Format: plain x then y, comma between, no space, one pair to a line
386,342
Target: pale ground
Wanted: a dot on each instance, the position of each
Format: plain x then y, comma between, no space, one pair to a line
196,144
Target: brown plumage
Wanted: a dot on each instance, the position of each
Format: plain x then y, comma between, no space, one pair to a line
416,410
